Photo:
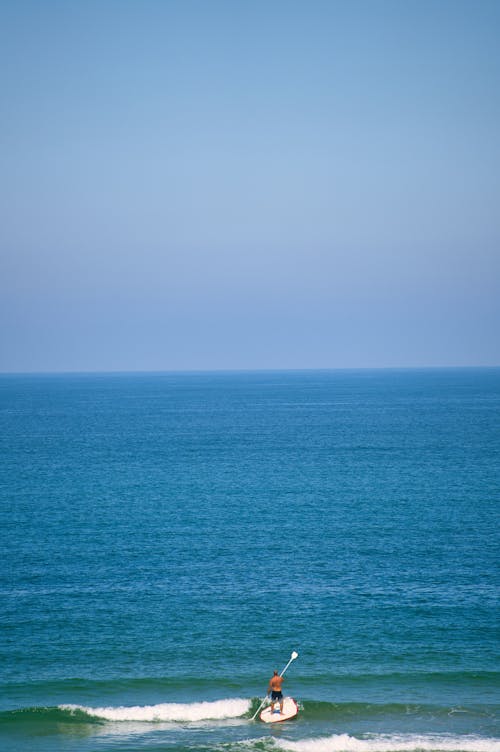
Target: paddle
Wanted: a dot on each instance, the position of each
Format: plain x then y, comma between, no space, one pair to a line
292,658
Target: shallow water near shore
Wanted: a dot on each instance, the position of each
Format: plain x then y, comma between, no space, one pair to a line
169,539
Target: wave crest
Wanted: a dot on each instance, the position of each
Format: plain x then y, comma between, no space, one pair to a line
391,743
168,711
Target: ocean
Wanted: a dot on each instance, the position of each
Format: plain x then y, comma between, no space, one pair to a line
169,539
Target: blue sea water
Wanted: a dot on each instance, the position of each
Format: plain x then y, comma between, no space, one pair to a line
168,539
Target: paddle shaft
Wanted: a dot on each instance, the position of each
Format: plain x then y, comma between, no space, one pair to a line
291,659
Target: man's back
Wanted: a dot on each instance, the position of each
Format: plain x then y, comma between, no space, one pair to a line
276,683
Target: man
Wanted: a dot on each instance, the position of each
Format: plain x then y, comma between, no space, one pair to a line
274,688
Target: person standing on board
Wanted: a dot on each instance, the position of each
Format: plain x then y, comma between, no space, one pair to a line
274,688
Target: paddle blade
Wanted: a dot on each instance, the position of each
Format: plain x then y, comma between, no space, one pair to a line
294,655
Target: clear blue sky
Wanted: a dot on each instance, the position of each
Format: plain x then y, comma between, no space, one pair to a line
249,184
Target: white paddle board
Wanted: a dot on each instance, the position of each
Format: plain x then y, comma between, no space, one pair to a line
290,709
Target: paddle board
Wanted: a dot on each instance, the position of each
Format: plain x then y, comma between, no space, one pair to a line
290,709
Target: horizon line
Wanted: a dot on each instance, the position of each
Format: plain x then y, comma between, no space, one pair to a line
199,371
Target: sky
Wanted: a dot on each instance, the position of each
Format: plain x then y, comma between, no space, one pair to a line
249,184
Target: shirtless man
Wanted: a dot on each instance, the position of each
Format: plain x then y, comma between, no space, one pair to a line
274,688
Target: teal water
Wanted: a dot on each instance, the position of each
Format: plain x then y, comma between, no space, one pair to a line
169,539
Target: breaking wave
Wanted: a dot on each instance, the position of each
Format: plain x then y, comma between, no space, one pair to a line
168,711
391,743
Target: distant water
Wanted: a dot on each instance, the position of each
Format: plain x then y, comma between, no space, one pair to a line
168,539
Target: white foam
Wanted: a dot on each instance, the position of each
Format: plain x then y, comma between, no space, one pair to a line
169,711
391,743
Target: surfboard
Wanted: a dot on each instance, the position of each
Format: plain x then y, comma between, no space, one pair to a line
290,710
